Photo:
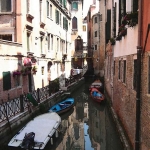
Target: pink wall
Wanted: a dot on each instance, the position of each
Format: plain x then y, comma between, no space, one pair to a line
145,22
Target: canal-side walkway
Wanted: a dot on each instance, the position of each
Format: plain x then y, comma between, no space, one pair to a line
120,129
11,126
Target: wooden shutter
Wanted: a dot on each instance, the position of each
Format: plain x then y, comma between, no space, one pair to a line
108,26
6,80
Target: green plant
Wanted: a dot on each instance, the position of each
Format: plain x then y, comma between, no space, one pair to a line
112,41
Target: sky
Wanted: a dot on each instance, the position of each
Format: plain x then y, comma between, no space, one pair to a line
86,6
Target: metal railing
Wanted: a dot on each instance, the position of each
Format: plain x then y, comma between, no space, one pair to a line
13,107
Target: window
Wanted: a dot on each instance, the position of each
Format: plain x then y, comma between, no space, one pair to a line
124,71
78,44
51,42
95,19
65,23
41,44
119,73
100,17
17,80
60,20
135,5
57,16
122,10
135,75
48,9
95,47
84,28
48,42
74,23
40,9
95,33
28,5
6,80
7,37
5,5
28,41
75,6
64,3
61,1
57,44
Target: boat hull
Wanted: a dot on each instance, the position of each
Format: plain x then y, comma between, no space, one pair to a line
44,127
96,84
63,106
99,97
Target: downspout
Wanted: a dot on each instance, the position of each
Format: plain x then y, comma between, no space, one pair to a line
138,92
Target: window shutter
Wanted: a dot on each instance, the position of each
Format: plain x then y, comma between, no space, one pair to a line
6,81
63,22
66,24
56,15
47,8
108,25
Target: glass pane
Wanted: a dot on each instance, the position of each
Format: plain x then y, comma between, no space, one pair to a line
5,5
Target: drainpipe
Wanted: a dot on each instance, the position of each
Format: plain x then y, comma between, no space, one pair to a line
138,93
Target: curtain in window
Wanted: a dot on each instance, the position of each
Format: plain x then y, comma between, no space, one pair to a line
5,5
74,23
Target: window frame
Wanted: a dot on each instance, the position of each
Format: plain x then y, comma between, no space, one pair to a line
8,11
74,5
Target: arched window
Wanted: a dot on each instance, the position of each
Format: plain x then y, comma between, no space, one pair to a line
74,23
75,5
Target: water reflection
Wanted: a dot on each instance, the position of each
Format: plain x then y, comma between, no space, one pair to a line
88,126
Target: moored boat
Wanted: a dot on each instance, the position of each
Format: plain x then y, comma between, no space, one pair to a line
63,106
96,84
96,95
37,133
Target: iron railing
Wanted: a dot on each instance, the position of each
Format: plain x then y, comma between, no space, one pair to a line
14,107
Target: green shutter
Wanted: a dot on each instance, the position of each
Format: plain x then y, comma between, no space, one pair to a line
6,81
64,3
63,22
66,24
56,15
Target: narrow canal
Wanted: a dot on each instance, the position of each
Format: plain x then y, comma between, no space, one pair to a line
88,126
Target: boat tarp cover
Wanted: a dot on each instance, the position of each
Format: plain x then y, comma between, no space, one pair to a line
41,126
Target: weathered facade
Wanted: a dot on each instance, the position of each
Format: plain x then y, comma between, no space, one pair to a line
42,32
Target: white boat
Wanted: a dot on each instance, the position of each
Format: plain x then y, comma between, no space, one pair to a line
38,132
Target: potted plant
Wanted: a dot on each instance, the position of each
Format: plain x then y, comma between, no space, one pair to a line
16,73
24,71
112,41
124,32
118,38
34,70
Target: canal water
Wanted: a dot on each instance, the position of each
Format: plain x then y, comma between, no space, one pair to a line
87,126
